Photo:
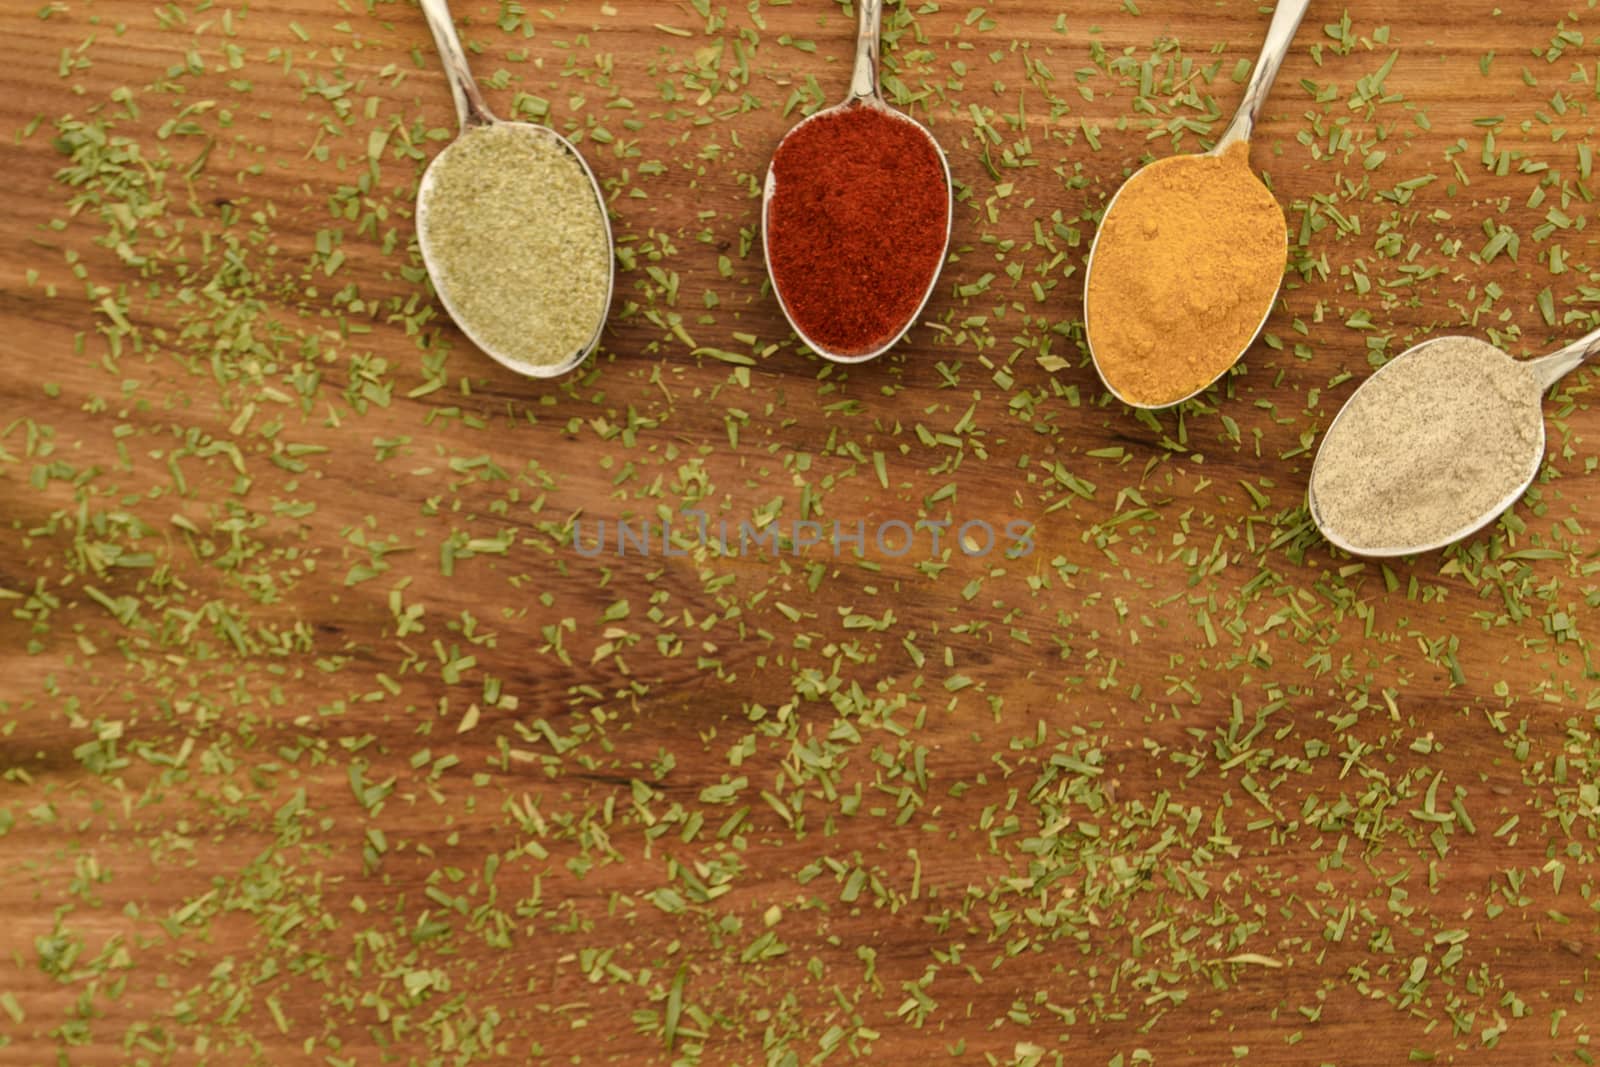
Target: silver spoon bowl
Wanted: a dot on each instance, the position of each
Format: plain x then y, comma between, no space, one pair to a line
865,91
473,112
1280,34
1546,371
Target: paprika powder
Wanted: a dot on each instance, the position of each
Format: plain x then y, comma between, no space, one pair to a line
857,226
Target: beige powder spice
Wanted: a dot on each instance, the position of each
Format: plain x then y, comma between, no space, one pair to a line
517,243
1431,443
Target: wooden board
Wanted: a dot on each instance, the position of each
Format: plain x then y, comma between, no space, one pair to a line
324,742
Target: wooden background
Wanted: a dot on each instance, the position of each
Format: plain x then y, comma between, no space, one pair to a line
323,743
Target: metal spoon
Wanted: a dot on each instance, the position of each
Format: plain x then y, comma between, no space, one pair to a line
472,112
1546,371
1280,34
864,92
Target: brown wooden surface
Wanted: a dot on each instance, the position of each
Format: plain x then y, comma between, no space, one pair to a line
1245,727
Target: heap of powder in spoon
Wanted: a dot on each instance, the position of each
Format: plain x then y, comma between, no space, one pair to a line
517,242
1433,442
856,226
1186,265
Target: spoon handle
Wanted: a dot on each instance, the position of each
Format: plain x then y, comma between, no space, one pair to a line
864,82
1557,365
1285,21
470,107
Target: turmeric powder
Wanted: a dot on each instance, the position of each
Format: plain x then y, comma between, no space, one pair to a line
1185,268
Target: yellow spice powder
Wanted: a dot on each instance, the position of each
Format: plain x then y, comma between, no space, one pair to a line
517,243
1186,266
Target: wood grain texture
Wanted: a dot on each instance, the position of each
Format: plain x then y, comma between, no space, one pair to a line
1174,787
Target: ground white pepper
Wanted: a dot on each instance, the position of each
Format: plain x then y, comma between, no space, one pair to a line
1433,442
517,243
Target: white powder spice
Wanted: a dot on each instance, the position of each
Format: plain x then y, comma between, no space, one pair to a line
517,243
1432,443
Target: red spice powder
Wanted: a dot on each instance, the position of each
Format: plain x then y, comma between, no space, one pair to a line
856,226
